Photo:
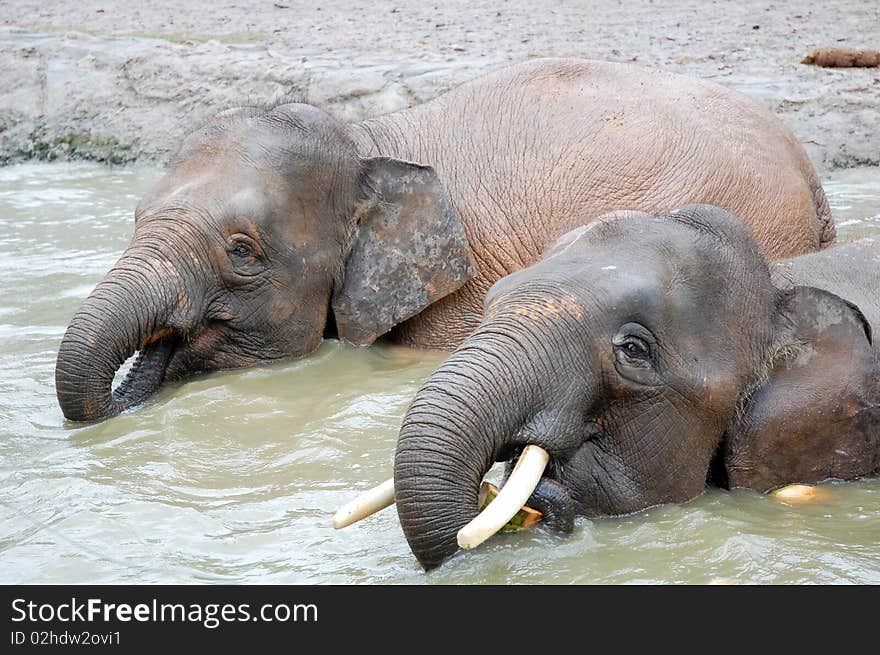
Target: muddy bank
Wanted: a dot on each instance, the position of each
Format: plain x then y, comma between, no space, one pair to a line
119,83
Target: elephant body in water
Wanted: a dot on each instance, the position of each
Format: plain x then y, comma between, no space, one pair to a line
649,355
277,226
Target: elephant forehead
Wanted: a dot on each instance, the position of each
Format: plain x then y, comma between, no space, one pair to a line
683,271
656,294
622,279
662,292
592,293
545,307
243,199
220,183
239,198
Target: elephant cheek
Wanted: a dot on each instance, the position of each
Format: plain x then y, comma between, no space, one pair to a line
281,310
295,317
201,355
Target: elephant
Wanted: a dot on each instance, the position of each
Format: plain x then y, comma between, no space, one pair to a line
644,357
277,226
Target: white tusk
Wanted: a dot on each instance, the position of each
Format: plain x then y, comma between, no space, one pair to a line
522,482
367,503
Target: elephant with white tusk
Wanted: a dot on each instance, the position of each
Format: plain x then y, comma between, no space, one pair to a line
643,357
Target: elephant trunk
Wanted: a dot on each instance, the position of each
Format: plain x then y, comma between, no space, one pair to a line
468,415
135,308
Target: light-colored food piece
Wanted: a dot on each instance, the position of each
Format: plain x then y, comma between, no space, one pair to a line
516,491
793,494
522,520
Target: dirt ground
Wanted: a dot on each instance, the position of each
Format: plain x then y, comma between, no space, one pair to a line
122,81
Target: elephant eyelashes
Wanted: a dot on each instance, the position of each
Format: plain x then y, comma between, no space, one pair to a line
632,354
244,255
635,348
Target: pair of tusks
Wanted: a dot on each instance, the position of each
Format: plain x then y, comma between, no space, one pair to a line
513,495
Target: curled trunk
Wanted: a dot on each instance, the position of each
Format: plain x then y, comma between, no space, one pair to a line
127,312
463,419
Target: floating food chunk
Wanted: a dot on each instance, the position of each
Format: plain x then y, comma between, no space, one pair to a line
796,494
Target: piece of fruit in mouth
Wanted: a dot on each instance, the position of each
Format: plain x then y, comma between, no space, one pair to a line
525,518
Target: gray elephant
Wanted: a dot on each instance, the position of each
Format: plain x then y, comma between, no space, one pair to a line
277,226
640,358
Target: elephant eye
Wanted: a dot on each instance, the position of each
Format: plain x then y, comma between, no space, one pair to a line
242,250
245,256
633,356
634,347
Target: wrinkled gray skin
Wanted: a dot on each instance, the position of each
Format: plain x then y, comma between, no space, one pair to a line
819,417
649,355
276,226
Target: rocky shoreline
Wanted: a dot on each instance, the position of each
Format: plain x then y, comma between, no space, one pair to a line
98,92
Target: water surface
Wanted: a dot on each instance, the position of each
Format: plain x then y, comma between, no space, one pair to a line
234,477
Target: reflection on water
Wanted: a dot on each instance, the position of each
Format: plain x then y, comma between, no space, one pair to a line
234,477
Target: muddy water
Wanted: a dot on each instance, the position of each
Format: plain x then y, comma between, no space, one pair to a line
234,477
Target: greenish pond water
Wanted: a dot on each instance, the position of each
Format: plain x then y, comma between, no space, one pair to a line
234,477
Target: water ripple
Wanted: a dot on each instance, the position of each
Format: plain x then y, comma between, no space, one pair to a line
233,477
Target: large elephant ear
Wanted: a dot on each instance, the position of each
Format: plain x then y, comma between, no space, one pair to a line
816,415
410,251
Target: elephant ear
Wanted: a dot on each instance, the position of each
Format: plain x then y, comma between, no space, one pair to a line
410,251
816,415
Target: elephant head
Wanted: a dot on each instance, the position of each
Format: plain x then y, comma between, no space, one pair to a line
268,231
646,355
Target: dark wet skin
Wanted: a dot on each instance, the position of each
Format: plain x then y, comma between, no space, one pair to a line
642,353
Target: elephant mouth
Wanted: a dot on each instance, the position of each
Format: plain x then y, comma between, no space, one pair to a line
551,497
147,372
529,482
